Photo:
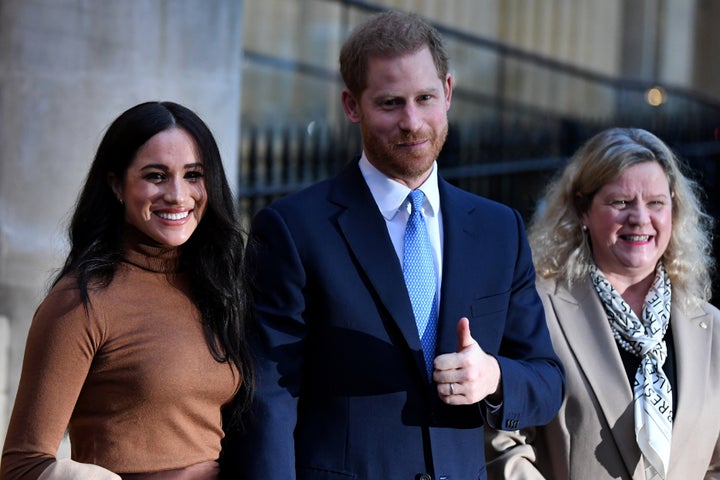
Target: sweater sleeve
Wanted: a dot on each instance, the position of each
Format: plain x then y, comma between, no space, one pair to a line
61,344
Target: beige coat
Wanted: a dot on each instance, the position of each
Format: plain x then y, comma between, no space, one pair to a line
593,435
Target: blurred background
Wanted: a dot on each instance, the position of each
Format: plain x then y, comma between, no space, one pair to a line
533,80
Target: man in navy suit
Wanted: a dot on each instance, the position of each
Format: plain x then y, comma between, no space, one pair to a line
343,388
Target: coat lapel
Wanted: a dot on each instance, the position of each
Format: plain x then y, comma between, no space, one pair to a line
364,229
693,335
596,351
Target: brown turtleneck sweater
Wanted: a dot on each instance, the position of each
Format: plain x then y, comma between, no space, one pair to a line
133,381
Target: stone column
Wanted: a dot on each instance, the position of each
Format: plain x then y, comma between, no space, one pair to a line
4,357
67,69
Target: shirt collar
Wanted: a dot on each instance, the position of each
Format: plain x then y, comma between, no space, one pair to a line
390,195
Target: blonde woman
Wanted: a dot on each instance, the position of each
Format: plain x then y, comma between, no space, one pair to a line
623,256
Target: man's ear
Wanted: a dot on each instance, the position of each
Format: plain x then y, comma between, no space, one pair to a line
448,90
351,106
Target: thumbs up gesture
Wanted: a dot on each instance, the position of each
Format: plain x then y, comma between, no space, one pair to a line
468,375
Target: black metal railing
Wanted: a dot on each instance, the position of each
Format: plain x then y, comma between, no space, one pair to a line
498,147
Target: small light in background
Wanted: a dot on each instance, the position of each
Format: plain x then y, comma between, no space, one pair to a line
655,96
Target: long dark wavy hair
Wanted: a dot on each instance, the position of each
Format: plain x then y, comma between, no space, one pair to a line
212,257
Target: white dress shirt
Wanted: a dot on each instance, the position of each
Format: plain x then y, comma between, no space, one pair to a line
391,198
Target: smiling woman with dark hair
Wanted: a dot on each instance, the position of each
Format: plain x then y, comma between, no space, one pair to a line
141,342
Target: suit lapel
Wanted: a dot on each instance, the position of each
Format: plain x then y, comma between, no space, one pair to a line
597,354
458,240
365,231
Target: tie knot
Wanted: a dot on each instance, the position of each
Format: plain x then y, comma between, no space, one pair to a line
416,200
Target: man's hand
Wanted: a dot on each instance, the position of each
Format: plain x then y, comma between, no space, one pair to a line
470,374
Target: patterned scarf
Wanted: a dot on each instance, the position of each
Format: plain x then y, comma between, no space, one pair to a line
652,390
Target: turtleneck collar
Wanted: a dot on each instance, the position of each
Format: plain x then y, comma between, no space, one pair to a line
143,252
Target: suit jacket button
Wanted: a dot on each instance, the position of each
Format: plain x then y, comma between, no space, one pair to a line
423,476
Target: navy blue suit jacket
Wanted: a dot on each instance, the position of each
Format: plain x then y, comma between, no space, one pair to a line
342,388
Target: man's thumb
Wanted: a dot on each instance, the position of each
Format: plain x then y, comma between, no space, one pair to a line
465,339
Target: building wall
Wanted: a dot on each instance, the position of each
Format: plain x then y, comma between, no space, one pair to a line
654,41
706,42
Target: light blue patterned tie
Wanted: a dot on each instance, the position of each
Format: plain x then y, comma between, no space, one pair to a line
420,278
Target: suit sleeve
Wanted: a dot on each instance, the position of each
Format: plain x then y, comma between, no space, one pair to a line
533,379
532,376
265,447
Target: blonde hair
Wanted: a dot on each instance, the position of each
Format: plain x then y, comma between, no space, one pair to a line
562,250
